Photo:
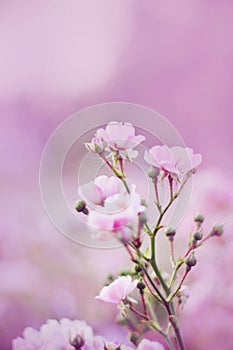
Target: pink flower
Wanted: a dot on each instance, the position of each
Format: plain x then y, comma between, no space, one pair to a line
117,290
119,216
146,344
175,160
65,334
55,335
121,137
114,211
101,344
97,191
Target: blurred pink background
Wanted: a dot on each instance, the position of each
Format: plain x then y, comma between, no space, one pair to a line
60,56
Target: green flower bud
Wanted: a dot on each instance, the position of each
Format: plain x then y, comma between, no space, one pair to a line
198,235
199,218
170,232
191,260
217,230
80,206
153,172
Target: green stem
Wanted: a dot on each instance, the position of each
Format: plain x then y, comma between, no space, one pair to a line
173,277
158,329
116,172
176,329
179,286
157,202
155,266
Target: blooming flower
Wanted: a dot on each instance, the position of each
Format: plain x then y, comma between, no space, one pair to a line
97,191
146,344
176,161
121,137
118,290
119,216
115,210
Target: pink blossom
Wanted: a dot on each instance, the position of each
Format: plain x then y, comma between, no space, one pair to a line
55,335
117,290
121,137
175,160
115,211
64,334
146,344
119,216
101,344
97,191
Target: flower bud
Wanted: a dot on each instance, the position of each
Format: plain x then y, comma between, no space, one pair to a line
85,211
78,342
97,145
80,206
217,230
191,261
137,268
153,172
199,218
141,286
198,235
170,233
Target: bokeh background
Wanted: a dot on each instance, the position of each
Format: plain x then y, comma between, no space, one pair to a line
57,57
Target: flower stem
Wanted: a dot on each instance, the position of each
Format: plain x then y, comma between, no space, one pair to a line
119,175
155,266
176,329
157,201
144,303
173,262
179,286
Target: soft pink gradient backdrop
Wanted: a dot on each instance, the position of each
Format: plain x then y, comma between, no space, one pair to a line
59,56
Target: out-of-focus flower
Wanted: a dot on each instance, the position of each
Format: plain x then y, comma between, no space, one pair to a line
146,344
63,334
113,345
97,145
99,190
121,137
119,217
118,290
56,335
176,161
116,211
